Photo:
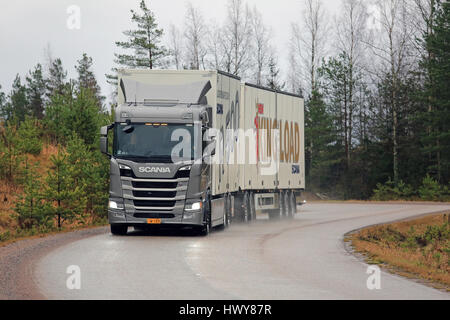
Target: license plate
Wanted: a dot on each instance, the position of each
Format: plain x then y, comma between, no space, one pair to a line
153,221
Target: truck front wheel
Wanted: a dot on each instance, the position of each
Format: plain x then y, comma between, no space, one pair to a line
119,229
206,228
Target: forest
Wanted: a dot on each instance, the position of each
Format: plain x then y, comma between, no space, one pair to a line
375,78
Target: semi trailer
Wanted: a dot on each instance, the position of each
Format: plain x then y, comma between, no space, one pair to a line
200,149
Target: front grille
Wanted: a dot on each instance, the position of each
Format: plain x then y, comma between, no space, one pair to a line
147,215
154,204
154,185
154,194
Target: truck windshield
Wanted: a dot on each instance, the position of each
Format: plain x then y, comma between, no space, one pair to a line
146,142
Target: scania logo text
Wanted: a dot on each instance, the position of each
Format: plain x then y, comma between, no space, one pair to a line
154,170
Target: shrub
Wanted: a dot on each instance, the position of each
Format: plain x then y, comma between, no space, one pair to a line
28,137
431,190
391,191
5,236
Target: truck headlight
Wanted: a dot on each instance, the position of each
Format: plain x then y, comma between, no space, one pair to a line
196,206
115,205
124,167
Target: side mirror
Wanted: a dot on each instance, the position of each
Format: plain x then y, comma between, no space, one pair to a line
128,129
104,140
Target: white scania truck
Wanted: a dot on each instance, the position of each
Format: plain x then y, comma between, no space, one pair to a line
200,149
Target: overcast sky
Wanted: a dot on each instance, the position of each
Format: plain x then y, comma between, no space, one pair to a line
28,27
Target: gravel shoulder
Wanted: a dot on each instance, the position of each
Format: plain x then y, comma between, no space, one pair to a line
17,261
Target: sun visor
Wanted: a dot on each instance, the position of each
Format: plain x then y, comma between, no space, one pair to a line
192,93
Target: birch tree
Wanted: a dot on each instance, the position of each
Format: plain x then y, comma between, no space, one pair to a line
350,37
216,48
237,36
307,49
262,49
194,35
308,42
176,47
393,49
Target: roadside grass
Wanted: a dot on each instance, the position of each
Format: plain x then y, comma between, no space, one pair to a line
417,248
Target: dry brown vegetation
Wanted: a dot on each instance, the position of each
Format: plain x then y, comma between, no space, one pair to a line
10,192
417,248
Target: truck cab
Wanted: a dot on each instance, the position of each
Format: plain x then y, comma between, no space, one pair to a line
157,172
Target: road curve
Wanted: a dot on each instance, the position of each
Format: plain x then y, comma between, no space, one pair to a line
300,259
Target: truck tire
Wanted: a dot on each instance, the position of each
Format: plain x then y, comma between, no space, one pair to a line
289,207
227,214
278,214
284,205
239,208
119,229
252,206
226,220
293,201
246,210
207,223
205,230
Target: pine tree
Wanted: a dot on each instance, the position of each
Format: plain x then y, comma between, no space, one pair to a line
28,139
2,102
57,113
338,84
11,157
30,208
91,171
87,80
35,88
65,199
144,41
74,112
83,117
56,78
320,135
17,107
437,90
273,79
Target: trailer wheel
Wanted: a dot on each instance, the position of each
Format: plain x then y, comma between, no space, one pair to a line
289,207
284,205
252,206
227,213
226,220
278,214
119,229
246,211
293,201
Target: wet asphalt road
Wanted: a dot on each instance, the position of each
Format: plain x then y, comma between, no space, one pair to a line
301,259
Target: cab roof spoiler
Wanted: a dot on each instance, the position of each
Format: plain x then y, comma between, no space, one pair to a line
149,94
